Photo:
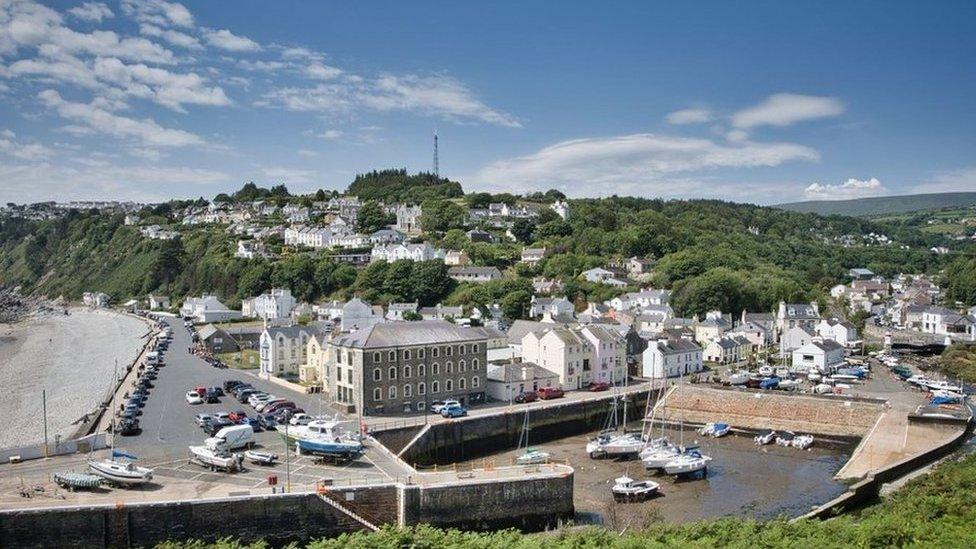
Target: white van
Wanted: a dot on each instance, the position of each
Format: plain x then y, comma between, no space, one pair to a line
232,437
152,358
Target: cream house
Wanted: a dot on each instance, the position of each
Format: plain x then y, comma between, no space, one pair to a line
561,351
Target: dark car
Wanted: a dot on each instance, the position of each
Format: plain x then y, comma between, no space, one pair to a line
218,391
526,396
267,421
598,386
232,384
272,408
547,393
216,425
242,395
282,415
253,422
128,427
211,397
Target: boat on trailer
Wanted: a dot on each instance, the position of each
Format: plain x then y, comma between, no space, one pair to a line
626,489
323,438
216,459
76,481
119,469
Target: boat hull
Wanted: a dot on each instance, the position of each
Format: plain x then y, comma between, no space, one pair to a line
330,448
120,476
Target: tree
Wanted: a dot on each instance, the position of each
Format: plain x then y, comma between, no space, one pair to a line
430,282
398,284
372,217
441,215
522,230
412,316
516,304
254,279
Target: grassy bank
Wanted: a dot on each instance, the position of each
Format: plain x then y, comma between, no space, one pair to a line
935,510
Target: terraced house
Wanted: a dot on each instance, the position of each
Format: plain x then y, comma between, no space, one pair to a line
402,367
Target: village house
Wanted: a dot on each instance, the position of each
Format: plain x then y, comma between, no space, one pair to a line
158,303
796,337
216,340
408,218
841,331
561,207
456,258
562,351
315,368
757,335
713,327
609,354
207,308
556,307
283,349
387,236
401,367
600,275
790,315
546,286
441,312
412,252
532,256
474,274
509,379
671,357
274,304
475,235
395,311
357,314
823,354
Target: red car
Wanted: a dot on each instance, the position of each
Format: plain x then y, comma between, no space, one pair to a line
279,406
547,393
202,391
598,386
526,397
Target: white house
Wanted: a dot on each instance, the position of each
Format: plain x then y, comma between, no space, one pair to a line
561,351
207,308
665,358
395,311
474,274
408,219
823,354
157,302
283,349
456,258
755,333
841,331
508,380
412,252
609,354
556,307
790,315
797,337
276,303
602,276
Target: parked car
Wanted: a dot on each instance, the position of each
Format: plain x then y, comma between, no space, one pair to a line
300,419
237,415
259,398
217,390
211,397
526,396
284,414
202,391
253,422
454,410
598,386
192,397
267,421
128,427
547,393
232,384
275,406
437,406
243,395
263,404
216,425
201,419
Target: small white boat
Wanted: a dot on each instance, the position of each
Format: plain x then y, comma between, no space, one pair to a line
659,457
260,458
533,456
766,370
802,441
216,459
687,463
823,389
715,430
765,437
120,470
739,378
628,489
610,444
782,372
788,384
785,438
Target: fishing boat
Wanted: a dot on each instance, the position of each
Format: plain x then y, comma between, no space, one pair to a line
766,370
765,436
260,458
814,377
687,463
715,430
529,456
216,458
788,384
739,378
119,469
75,481
626,489
322,437
785,438
802,441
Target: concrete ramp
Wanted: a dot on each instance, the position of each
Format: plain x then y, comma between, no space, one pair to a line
414,440
348,512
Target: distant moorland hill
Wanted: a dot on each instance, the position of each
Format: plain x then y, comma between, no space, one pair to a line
882,204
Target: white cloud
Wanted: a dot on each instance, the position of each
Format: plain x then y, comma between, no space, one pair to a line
92,11
852,188
307,153
689,116
158,12
440,96
737,136
952,181
289,175
102,121
169,89
320,71
172,36
784,109
641,164
226,40
23,151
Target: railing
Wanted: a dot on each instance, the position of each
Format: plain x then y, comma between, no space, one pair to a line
348,512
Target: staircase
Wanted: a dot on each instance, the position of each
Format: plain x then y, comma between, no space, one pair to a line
414,439
346,511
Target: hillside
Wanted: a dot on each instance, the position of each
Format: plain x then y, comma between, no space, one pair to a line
882,204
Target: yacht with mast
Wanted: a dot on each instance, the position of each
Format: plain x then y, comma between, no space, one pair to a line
119,468
530,456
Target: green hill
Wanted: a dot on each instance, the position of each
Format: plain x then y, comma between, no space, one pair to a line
882,204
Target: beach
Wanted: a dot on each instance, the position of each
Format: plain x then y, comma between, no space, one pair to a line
72,358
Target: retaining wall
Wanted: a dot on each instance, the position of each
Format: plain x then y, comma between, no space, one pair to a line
81,445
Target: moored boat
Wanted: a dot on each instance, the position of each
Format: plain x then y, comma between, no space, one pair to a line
626,489
715,430
532,456
785,438
765,437
687,463
802,441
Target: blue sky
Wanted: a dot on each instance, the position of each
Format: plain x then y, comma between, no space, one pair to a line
759,102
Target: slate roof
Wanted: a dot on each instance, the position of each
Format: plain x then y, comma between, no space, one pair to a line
421,332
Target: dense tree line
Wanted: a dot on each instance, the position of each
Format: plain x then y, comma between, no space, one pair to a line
399,186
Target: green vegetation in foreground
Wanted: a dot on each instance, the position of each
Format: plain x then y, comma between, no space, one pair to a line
251,359
935,510
959,362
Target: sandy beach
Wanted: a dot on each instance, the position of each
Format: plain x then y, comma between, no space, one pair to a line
72,358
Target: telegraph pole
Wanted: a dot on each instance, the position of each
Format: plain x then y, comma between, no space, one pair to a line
44,406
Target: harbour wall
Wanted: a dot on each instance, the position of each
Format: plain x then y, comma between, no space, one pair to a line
83,445
866,491
526,498
476,436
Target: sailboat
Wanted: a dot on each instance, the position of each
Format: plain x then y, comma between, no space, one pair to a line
119,468
690,460
608,443
530,456
657,452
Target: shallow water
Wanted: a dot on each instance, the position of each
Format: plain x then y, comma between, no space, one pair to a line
743,480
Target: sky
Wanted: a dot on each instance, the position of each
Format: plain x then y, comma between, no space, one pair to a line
761,102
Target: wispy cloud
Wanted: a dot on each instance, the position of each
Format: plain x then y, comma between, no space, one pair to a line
689,116
785,109
852,188
643,164
289,175
226,40
92,11
952,181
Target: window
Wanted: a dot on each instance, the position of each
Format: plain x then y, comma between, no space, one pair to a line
449,351
420,353
434,386
475,382
421,388
461,384
348,358
407,391
461,365
377,357
338,373
421,405
474,363
435,369
461,349
435,352
377,374
392,391
393,372
377,394
449,367
474,348
392,356
349,377
406,354
421,370
449,385
406,371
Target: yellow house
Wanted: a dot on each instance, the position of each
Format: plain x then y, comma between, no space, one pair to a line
314,369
